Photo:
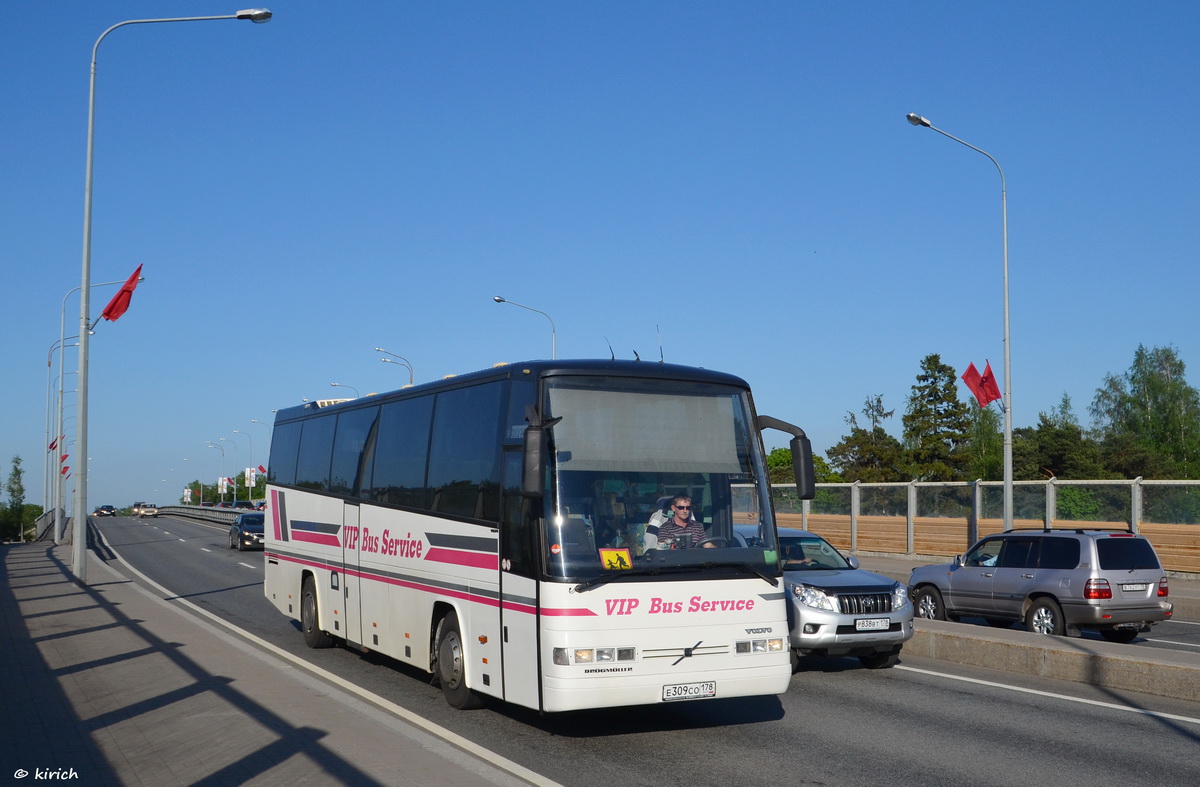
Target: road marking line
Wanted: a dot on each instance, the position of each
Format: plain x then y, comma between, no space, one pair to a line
1068,698
247,565
1172,642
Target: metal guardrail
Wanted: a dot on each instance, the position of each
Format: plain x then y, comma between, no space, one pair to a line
223,516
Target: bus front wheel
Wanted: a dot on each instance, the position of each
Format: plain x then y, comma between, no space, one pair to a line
450,669
310,622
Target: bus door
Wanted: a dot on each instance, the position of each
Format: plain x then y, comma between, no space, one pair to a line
351,583
518,588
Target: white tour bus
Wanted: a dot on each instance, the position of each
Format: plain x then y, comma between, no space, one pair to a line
491,529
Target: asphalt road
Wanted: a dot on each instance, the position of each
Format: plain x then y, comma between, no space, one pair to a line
924,722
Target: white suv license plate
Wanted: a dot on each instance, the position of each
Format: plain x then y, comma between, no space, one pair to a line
1134,586
689,691
872,624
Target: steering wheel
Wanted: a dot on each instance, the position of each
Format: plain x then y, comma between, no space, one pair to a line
716,541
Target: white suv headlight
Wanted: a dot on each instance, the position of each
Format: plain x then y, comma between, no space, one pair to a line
899,597
813,597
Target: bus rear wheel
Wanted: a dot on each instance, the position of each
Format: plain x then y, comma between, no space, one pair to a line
310,622
449,667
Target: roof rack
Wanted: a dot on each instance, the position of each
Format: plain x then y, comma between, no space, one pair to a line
1048,529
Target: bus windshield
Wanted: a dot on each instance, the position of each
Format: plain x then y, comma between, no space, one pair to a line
654,474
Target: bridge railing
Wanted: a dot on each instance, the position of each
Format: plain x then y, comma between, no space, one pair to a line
944,519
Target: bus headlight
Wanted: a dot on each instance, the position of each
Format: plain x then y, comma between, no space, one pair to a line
567,656
774,645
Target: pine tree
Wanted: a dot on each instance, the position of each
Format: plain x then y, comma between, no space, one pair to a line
936,424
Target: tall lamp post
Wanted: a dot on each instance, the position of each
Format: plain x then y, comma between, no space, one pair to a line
553,332
62,338
402,362
222,450
917,120
79,542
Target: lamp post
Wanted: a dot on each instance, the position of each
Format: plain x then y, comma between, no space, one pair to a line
233,442
917,120
250,440
553,332
402,362
62,339
343,385
222,450
79,545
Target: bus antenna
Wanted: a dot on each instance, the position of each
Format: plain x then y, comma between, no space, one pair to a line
661,358
610,349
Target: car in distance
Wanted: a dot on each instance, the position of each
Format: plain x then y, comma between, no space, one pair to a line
105,511
147,509
246,532
246,504
1052,581
836,608
137,508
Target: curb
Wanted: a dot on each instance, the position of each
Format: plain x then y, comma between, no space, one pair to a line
1111,665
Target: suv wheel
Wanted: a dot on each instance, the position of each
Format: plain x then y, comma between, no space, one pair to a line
928,603
1045,617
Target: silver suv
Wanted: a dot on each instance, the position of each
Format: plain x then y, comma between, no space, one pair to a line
836,608
1052,582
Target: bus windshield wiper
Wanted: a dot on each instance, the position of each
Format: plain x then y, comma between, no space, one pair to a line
748,567
604,579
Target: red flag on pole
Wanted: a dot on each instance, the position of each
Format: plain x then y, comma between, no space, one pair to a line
53,443
65,469
262,469
120,302
982,385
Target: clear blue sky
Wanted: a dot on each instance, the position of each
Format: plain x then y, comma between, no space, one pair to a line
738,177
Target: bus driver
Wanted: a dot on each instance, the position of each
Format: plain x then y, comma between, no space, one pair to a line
681,531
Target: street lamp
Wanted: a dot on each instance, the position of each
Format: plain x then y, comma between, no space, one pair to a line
553,333
343,385
79,545
222,450
917,120
62,339
402,362
250,440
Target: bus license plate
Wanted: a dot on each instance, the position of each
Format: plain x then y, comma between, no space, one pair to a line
689,691
872,624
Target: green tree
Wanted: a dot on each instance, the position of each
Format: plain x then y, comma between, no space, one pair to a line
869,455
14,514
1148,419
779,468
984,449
936,424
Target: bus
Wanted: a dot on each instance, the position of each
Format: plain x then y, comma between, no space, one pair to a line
492,530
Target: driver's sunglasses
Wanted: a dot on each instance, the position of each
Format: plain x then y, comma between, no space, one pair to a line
683,508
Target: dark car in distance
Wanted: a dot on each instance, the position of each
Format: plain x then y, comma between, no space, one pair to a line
105,511
246,532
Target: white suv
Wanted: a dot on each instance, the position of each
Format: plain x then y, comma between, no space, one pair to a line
1052,582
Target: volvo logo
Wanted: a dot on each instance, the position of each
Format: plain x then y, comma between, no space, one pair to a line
766,630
